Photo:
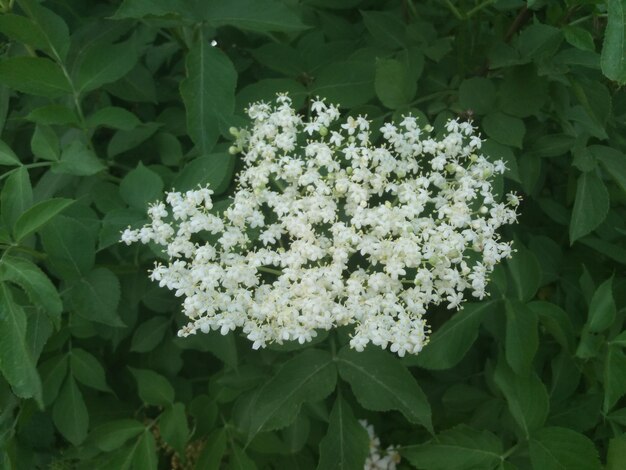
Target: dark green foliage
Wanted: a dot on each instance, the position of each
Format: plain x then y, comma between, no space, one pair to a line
104,106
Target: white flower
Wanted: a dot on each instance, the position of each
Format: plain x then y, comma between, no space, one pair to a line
326,229
378,458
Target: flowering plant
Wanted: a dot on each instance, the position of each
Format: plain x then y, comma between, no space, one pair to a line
357,224
328,229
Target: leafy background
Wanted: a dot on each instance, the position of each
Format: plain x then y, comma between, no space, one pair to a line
105,105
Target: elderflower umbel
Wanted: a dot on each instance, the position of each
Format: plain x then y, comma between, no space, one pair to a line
326,229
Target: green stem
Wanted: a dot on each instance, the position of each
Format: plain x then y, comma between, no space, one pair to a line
585,18
30,165
509,452
264,269
479,7
454,10
30,251
411,7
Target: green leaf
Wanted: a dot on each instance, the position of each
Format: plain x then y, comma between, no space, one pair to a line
16,196
580,412
213,451
297,434
53,373
505,129
589,345
526,397
381,383
614,378
174,428
37,216
77,159
522,339
458,448
346,444
579,38
123,141
449,344
280,57
148,8
22,29
96,296
385,28
153,388
105,63
556,322
45,144
170,150
53,30
214,170
223,347
613,58
88,370
146,456
602,308
395,87
595,101
613,161
137,86
309,376
590,207
119,459
619,340
34,76
16,361
239,460
113,434
53,114
149,334
38,331
618,416
114,118
7,156
70,247
522,92
525,273
253,15
141,187
584,160
556,448
350,83
477,94
208,93
539,40
552,145
69,412
616,453
35,283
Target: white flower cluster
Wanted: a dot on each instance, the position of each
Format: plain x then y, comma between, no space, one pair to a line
327,229
379,459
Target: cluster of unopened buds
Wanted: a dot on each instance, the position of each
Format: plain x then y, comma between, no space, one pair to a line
326,228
